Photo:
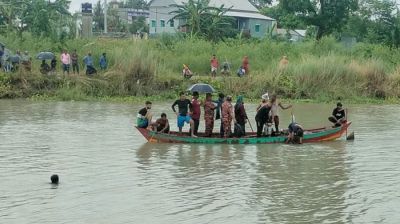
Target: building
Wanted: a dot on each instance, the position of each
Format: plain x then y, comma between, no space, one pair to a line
129,14
291,35
247,17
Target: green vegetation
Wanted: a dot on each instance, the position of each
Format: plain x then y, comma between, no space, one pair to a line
322,71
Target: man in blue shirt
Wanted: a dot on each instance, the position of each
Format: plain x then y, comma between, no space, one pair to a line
103,62
88,60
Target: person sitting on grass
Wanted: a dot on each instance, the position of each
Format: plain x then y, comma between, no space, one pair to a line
144,116
187,74
296,132
44,68
338,115
162,124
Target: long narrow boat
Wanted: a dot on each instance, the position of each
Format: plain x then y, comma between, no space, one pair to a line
311,135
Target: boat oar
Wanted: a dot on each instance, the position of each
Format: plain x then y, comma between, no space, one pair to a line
351,136
250,125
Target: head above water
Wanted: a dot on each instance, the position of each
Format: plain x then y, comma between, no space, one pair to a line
229,98
339,104
163,115
54,179
221,95
195,95
208,96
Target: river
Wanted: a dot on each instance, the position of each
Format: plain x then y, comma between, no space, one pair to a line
109,174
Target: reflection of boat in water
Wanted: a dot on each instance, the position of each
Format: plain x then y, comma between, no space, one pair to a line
311,135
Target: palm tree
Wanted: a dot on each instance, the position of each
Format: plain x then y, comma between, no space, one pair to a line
201,19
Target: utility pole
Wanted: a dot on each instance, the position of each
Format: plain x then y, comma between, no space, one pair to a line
105,16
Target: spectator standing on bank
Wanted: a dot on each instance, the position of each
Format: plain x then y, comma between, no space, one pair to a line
103,62
66,61
75,62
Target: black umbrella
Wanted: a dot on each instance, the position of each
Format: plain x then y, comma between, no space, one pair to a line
45,56
201,88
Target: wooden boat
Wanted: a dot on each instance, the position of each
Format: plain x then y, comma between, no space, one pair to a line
311,135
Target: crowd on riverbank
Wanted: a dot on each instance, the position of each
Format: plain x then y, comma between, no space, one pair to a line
14,62
225,67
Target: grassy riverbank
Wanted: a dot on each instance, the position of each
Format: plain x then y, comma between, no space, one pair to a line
323,71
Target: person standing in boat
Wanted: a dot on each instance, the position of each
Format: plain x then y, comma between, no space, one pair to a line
209,109
228,116
219,102
144,116
183,113
338,115
162,124
240,114
262,118
196,111
274,111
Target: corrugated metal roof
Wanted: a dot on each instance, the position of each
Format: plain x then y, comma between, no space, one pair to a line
254,15
242,5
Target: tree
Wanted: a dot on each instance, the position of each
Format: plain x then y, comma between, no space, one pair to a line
98,17
261,3
375,22
328,16
203,20
136,4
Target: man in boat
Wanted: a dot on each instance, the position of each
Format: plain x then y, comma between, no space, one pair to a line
183,113
338,115
162,124
274,111
228,116
296,132
209,109
240,116
219,102
262,118
144,116
196,111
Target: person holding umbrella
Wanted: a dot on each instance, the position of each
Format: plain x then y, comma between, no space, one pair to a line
196,111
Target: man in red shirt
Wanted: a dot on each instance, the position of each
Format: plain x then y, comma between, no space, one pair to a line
214,66
196,112
245,65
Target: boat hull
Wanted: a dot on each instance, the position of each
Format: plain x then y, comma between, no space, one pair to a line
312,135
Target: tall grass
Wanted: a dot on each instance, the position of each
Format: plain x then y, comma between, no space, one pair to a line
324,70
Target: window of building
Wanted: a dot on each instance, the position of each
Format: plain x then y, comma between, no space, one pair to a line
162,23
153,23
257,28
171,23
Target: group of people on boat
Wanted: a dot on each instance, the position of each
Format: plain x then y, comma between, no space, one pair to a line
267,117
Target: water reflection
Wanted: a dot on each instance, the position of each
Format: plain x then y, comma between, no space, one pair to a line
304,184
